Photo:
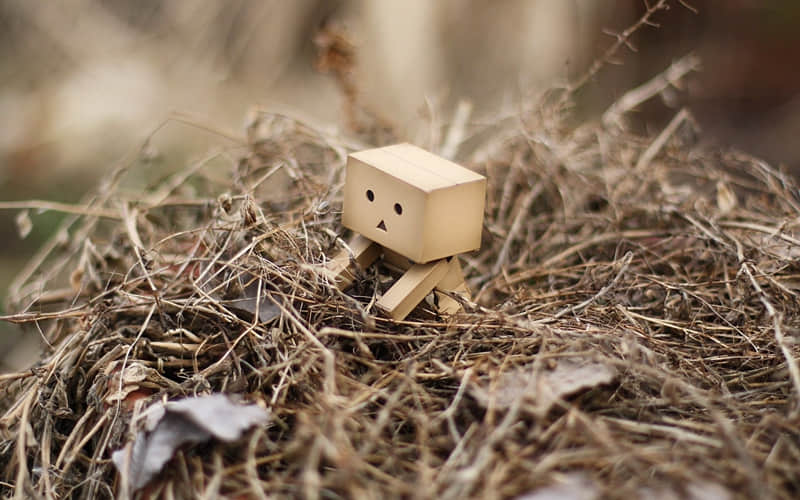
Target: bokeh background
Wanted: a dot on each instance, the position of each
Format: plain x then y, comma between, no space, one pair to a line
84,82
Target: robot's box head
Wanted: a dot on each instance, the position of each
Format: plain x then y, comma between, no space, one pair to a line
414,202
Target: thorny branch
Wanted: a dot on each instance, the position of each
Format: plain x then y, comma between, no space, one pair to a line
622,39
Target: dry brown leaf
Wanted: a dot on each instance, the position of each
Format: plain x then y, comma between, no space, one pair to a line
574,486
173,424
699,490
546,387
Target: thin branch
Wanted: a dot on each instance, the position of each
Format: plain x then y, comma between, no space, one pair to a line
633,98
55,206
622,39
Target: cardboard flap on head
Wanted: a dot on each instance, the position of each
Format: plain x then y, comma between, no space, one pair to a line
417,167
413,202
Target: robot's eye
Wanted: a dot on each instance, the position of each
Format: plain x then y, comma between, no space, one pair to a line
398,209
370,195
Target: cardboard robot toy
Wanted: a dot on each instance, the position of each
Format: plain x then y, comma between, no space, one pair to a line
417,212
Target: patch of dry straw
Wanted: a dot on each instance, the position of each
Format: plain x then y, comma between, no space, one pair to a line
672,263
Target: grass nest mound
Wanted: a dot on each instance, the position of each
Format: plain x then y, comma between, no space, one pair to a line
633,328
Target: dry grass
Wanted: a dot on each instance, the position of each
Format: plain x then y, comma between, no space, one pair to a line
674,263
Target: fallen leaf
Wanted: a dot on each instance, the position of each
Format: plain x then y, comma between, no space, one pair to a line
121,385
252,301
545,387
173,424
246,294
575,486
698,490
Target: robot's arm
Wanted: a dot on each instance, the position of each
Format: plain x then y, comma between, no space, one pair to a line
361,252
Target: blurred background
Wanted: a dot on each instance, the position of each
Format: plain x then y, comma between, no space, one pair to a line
84,82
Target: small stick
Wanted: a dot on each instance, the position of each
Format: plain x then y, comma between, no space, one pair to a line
59,207
655,147
129,218
653,87
455,135
22,461
516,226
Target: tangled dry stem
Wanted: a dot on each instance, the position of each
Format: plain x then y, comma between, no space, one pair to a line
679,271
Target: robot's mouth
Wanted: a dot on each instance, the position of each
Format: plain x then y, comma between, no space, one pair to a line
382,226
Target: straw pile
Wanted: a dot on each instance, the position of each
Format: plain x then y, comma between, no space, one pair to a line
633,330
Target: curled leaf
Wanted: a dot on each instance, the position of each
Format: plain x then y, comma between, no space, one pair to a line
187,421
